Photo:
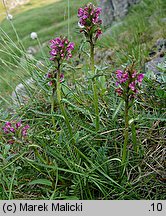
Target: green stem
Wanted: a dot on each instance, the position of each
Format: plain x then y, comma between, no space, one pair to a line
58,85
134,138
94,85
126,134
52,107
61,105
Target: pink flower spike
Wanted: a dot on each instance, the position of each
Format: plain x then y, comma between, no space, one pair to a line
60,48
140,77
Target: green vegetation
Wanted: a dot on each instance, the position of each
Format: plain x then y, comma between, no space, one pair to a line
47,164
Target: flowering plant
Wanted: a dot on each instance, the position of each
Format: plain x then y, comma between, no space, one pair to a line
128,82
90,22
33,35
9,17
50,76
61,49
15,131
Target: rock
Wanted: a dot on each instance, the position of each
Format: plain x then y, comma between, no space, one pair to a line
152,66
11,4
114,9
104,56
163,20
32,50
157,63
21,95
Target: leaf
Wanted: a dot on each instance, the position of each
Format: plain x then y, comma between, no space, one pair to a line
41,181
117,110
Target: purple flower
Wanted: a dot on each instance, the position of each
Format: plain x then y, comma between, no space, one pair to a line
61,48
140,78
48,76
24,130
119,91
70,46
8,124
128,80
98,11
24,133
50,83
12,130
61,77
124,77
119,74
98,33
80,12
134,74
26,127
53,52
89,21
132,86
18,124
5,130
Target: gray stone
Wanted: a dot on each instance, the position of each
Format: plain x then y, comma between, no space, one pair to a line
11,4
163,20
21,94
32,50
153,65
156,66
103,56
114,9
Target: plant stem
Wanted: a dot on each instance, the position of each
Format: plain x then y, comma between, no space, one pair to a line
52,107
94,85
126,134
61,105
